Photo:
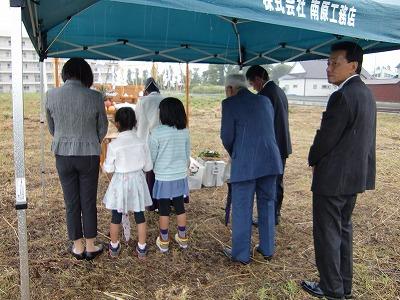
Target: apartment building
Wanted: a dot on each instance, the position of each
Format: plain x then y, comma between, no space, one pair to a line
103,71
30,67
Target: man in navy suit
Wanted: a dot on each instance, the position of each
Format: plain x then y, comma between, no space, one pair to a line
247,133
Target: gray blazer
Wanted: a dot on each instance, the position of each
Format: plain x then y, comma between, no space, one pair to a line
76,118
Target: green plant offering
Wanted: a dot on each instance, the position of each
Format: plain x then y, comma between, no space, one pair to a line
209,153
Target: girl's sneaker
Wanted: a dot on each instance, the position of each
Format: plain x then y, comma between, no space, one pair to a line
182,242
162,244
114,252
141,253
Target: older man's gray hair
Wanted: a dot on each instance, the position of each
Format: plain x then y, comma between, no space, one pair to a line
236,81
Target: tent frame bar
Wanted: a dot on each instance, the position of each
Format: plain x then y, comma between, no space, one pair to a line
208,55
151,52
234,23
59,33
33,23
301,50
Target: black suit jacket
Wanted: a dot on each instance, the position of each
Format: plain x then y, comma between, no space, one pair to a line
281,117
343,151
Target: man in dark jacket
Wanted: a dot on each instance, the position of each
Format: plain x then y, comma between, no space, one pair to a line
247,134
343,160
259,79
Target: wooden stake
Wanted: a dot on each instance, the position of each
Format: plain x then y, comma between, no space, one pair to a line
56,78
187,92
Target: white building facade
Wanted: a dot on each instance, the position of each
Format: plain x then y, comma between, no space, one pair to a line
384,72
103,71
308,79
30,67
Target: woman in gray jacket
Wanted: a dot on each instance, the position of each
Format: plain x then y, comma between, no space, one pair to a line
78,123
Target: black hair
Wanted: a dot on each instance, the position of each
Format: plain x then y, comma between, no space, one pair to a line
172,113
126,118
353,52
257,71
77,68
152,88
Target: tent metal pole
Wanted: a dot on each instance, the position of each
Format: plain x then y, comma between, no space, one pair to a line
19,155
42,136
187,92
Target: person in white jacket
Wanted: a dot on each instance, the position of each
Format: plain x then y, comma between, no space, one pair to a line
147,109
148,117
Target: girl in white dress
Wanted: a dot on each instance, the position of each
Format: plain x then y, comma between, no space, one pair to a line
128,157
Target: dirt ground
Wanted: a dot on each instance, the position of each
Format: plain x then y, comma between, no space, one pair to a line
201,272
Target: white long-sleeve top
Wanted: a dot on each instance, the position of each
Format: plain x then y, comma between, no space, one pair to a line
147,114
128,153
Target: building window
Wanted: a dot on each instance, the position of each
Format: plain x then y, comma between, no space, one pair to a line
8,54
24,54
23,43
26,88
295,86
315,86
1,88
26,77
9,42
9,65
26,66
37,78
326,86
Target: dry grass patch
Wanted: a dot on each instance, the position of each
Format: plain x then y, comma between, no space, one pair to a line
201,272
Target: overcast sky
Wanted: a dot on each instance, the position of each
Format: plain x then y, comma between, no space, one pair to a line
391,58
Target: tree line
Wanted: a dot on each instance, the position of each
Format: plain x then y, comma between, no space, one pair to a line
214,75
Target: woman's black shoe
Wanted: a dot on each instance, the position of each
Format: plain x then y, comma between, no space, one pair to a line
92,255
78,256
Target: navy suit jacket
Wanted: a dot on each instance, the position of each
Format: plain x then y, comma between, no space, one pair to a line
247,133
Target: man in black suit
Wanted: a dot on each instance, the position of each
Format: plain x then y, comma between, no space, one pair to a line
343,160
258,78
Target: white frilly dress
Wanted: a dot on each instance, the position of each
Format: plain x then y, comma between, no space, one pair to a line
128,157
128,192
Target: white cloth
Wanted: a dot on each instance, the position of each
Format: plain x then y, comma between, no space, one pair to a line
128,192
127,153
227,171
148,114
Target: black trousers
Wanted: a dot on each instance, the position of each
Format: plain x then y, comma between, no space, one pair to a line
79,178
150,179
333,242
279,190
